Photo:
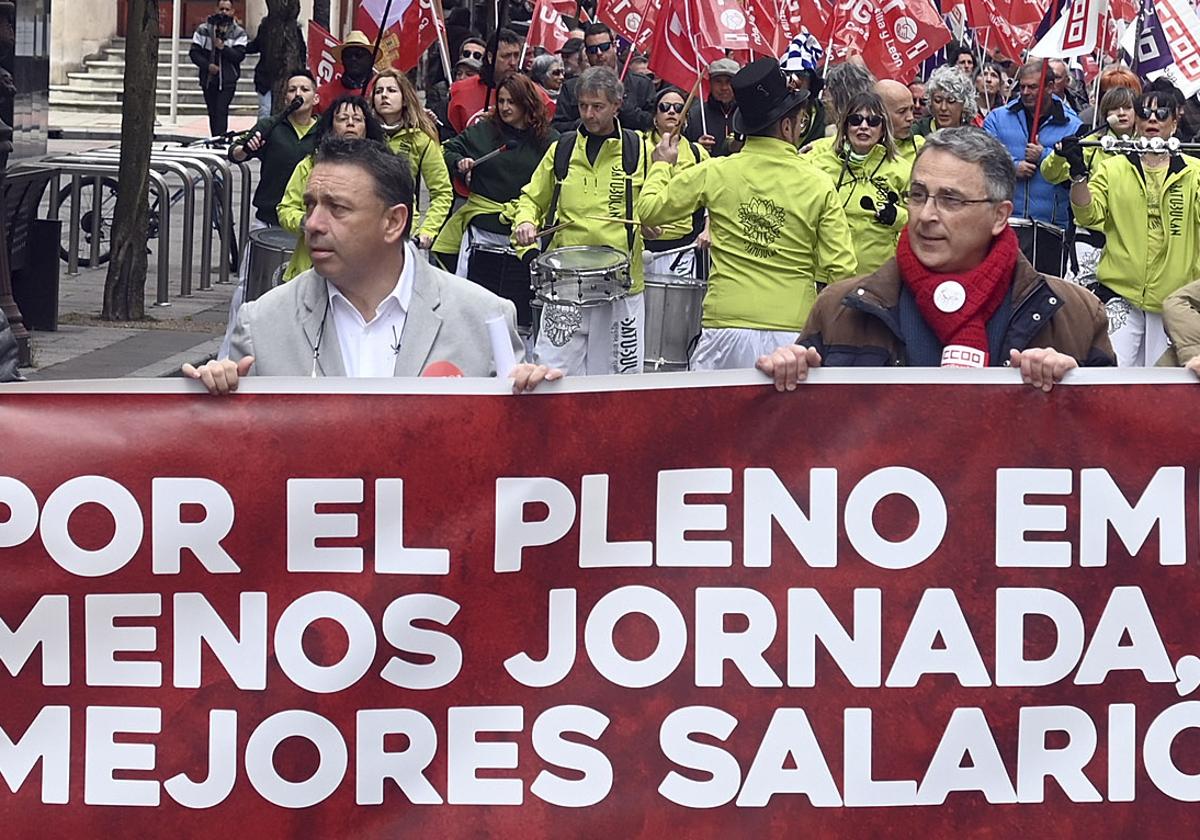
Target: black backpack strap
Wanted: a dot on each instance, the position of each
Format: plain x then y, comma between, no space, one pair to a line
631,151
562,160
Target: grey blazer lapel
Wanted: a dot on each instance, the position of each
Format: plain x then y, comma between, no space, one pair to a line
422,323
314,309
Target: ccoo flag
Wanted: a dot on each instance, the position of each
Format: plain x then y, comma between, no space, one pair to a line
1075,32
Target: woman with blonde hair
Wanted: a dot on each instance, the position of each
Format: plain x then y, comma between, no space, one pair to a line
410,131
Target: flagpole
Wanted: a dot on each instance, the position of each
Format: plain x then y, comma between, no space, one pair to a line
637,37
387,11
439,21
1101,41
1137,40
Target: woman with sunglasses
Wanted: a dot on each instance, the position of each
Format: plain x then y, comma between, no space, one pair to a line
1149,209
952,101
869,178
520,124
349,116
409,130
548,72
666,256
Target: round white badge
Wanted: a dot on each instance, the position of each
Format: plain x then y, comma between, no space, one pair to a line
949,296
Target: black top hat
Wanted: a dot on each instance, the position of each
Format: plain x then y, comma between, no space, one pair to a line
761,91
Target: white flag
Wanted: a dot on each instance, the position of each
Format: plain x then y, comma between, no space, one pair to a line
1075,33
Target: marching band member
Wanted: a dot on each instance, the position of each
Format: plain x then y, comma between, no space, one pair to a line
682,232
1149,209
775,220
519,124
591,191
348,116
869,178
900,110
411,132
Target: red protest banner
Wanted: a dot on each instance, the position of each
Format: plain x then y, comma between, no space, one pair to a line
906,33
633,20
409,29
676,612
324,67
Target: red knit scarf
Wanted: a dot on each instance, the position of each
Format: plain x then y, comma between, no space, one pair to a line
963,332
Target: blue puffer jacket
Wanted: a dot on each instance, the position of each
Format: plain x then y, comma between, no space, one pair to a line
1010,125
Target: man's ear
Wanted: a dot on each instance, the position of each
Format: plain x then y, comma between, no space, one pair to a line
1004,210
396,222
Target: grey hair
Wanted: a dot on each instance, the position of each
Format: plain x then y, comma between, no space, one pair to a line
956,85
600,80
845,81
542,65
1030,67
974,145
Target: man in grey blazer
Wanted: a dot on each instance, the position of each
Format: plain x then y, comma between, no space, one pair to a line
370,306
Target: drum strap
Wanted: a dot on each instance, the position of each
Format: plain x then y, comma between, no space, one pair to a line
631,147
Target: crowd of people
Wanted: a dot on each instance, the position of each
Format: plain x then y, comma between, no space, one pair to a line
833,218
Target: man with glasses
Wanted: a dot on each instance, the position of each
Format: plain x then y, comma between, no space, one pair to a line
1036,199
958,293
474,48
776,223
637,110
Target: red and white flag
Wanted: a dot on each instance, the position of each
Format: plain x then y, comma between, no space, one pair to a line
906,33
1011,39
324,67
766,28
1075,32
722,24
1179,23
547,28
633,20
1021,12
676,54
410,29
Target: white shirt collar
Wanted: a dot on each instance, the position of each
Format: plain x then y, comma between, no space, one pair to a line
401,292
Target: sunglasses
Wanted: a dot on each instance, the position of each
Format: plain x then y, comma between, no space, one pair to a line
596,49
668,107
1161,114
874,120
478,56
557,72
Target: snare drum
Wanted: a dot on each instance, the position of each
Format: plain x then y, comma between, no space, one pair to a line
673,308
270,250
1041,243
581,275
498,269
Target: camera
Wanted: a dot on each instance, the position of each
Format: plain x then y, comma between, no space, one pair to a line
220,23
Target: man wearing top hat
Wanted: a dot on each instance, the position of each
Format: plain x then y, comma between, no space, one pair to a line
775,219
357,69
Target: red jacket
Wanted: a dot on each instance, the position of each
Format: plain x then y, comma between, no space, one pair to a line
468,97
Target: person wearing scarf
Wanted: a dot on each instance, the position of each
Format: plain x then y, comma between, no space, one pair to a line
958,293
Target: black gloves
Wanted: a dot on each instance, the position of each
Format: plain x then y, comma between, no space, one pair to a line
1072,152
885,215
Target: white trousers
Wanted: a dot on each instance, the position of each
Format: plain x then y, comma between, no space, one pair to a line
593,340
676,263
726,348
1138,337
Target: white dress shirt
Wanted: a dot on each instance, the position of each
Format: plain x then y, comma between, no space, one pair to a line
369,348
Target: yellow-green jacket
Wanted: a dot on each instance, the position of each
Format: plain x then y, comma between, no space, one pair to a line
291,217
1118,208
1056,170
873,178
428,164
908,147
690,154
589,192
776,225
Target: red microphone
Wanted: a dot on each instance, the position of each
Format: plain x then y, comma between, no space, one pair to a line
443,369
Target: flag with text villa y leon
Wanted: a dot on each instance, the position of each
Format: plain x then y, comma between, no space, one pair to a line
904,34
409,29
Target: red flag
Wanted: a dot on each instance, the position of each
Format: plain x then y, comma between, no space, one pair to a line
676,55
410,29
1010,39
849,27
325,68
906,33
816,15
633,20
765,27
1027,11
721,24
547,28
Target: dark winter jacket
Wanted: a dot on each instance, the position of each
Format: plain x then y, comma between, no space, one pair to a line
716,119
637,110
231,55
873,321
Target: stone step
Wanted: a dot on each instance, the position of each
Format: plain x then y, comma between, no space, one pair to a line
115,96
74,105
164,54
116,81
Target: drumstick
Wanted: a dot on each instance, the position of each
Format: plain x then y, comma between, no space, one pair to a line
503,148
610,220
550,230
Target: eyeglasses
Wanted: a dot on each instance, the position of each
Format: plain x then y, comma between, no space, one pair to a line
1161,114
478,56
944,202
668,107
596,49
873,120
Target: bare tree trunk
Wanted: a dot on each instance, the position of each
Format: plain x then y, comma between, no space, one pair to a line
283,46
125,284
320,12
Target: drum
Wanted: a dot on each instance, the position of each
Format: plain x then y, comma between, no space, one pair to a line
270,251
1042,244
581,275
499,270
673,308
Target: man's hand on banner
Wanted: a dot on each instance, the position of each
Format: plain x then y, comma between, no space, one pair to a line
1042,367
527,377
789,365
220,376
